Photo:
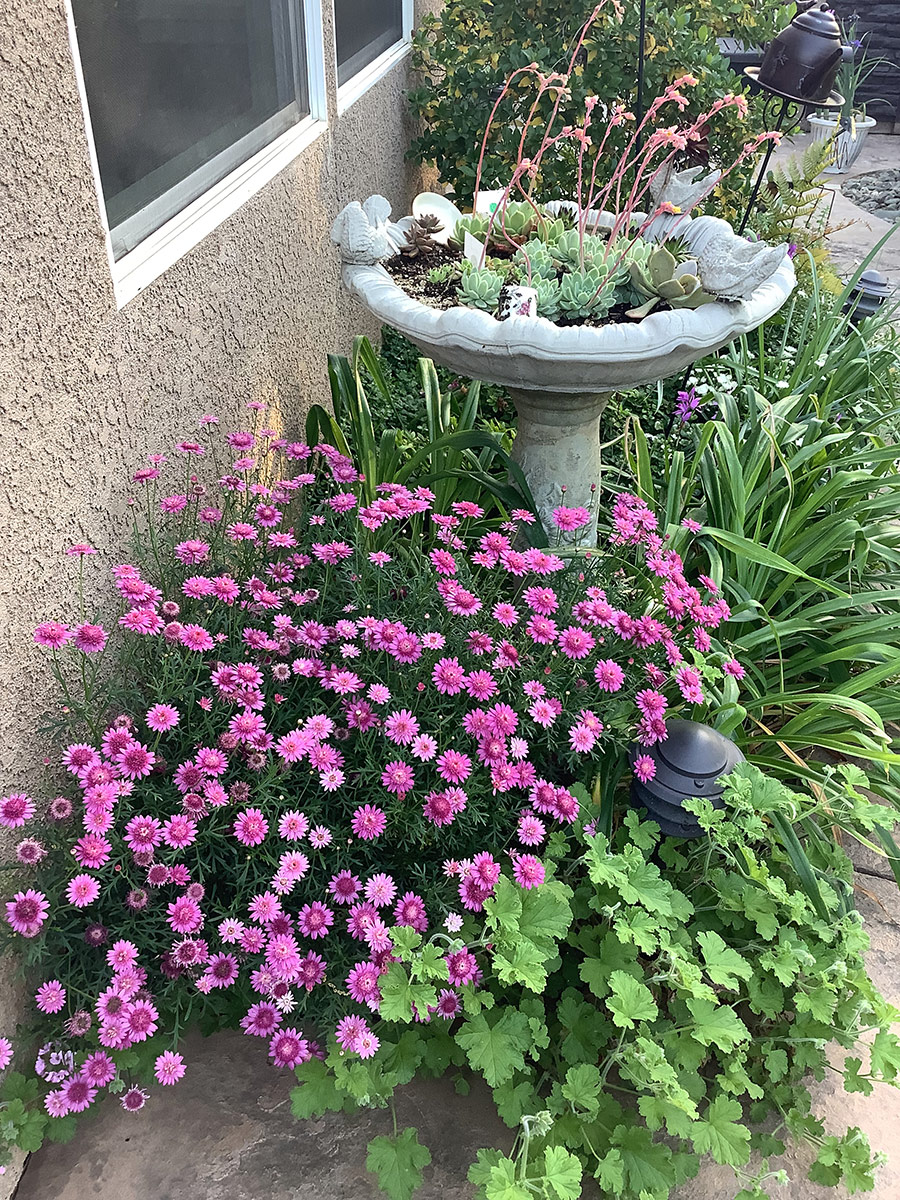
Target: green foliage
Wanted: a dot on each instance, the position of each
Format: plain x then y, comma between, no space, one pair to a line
397,1163
463,53
458,460
636,1060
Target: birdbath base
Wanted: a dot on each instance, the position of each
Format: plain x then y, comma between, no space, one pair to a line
557,446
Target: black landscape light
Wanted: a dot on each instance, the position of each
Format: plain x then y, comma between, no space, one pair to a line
688,763
867,295
798,71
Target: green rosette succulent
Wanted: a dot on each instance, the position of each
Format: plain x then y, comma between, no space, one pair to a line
547,297
536,255
480,288
474,223
586,294
660,277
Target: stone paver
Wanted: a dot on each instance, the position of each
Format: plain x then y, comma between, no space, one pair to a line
226,1132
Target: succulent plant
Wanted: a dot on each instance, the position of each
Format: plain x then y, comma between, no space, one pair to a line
547,297
661,277
480,288
474,223
567,251
537,255
514,223
420,236
443,273
586,294
551,229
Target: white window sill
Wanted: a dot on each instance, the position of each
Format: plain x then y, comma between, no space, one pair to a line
147,261
349,92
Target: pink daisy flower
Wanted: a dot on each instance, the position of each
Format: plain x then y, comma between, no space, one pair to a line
78,1094
410,910
134,1099
261,1020
82,890
27,912
251,827
344,887
314,920
51,996
52,634
644,768
15,810
609,675
401,727
362,983
380,890
448,676
320,837
90,639
528,870
98,1069
288,1049
169,1068
368,822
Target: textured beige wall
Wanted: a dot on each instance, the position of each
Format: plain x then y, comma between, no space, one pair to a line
86,390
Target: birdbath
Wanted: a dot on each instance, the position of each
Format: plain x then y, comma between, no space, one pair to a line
560,377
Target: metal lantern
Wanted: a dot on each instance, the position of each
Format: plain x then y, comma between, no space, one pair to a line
867,295
803,60
689,762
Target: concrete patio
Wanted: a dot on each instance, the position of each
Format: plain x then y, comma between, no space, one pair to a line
227,1133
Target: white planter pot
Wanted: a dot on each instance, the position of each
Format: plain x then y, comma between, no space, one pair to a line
560,376
847,145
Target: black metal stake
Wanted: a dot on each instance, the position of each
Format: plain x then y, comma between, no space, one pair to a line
770,148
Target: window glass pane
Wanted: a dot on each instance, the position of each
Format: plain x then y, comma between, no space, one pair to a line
180,92
364,29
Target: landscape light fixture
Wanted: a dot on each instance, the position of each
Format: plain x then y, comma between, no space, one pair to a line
689,763
867,295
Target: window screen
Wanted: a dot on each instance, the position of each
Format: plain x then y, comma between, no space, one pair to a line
365,29
180,92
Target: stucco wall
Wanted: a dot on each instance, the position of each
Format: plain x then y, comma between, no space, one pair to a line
85,390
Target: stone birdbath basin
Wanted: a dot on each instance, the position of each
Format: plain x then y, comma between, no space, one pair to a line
560,377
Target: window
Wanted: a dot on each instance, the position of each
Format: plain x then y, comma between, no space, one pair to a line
180,93
364,29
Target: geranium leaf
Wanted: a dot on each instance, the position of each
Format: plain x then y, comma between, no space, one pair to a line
562,1172
496,1046
631,1001
719,1134
716,1024
397,1163
723,965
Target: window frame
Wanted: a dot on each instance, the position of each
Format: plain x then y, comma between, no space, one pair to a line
135,270
357,85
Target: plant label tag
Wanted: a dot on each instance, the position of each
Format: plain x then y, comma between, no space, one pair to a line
473,250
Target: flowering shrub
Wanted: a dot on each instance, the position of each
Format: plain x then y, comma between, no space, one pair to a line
334,728
336,785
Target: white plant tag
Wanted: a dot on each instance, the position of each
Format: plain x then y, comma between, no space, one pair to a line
473,250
